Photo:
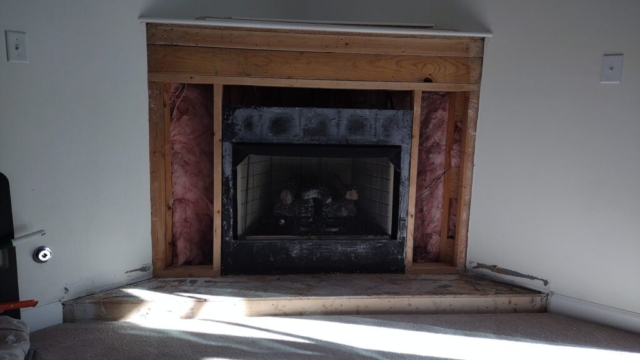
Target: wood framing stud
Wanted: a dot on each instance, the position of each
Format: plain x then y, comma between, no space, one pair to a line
413,175
157,173
217,179
466,178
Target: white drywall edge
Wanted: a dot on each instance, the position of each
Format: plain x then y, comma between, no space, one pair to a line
316,26
592,312
533,284
42,316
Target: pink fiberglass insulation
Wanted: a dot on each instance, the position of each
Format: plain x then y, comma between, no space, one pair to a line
455,163
429,186
192,173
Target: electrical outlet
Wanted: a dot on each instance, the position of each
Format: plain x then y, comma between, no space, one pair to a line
16,46
611,69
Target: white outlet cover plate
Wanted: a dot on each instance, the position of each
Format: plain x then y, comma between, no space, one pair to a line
16,46
611,69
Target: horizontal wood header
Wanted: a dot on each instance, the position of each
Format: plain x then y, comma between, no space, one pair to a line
308,65
316,42
270,57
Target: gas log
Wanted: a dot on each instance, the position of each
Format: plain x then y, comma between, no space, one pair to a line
337,190
321,193
339,208
345,191
300,208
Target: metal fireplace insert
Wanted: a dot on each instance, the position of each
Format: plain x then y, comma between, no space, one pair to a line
308,190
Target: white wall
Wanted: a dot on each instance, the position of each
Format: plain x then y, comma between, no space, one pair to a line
74,137
556,191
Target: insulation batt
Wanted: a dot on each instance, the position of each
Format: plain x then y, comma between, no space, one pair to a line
455,163
192,173
431,166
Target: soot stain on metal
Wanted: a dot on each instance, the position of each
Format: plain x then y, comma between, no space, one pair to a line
318,127
498,270
248,124
357,125
280,125
143,268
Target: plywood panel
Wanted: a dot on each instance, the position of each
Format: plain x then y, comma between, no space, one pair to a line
306,65
317,42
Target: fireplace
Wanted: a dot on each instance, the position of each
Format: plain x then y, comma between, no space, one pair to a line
310,190
240,119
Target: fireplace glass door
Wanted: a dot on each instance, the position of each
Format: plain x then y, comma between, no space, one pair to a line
296,192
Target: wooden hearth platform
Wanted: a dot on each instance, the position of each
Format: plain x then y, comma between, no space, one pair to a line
209,298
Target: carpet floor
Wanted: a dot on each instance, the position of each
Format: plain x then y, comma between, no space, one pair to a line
508,336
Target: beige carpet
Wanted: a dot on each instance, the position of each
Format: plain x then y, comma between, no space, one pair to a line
511,336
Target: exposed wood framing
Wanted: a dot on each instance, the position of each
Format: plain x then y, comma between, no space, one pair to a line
413,175
168,182
308,59
453,177
431,269
467,150
151,33
157,171
316,42
318,84
306,306
306,295
190,271
313,66
217,178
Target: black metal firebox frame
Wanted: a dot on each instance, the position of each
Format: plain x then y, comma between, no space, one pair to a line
355,129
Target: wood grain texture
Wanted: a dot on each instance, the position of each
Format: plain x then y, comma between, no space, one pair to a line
157,174
151,33
168,181
413,175
454,182
305,295
307,65
199,36
217,178
186,271
466,179
318,84
432,269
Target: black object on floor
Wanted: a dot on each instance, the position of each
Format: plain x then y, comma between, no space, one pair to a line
9,270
